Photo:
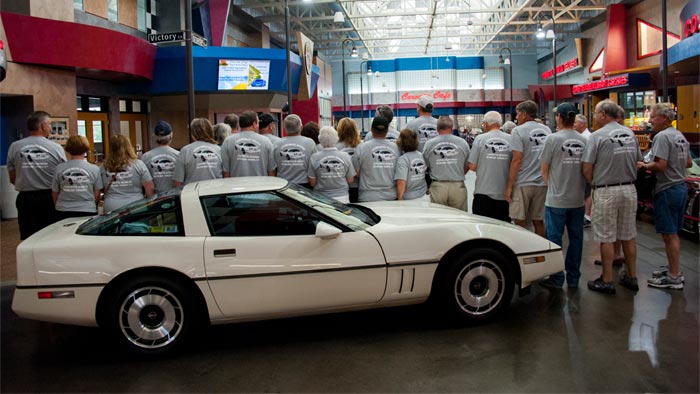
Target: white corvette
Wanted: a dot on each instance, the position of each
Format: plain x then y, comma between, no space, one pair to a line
241,249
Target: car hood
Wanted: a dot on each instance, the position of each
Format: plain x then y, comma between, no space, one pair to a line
416,231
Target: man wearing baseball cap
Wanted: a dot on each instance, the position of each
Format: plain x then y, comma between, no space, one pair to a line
376,161
425,126
267,124
161,160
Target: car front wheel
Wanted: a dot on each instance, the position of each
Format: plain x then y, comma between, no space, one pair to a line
477,286
151,316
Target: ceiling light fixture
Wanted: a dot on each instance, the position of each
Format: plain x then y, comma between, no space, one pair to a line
338,17
354,52
540,33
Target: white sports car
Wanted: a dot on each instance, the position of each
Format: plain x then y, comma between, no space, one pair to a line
241,249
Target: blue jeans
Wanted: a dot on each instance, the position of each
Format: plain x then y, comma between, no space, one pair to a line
555,220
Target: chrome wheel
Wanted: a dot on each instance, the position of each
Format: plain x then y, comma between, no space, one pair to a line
479,287
151,317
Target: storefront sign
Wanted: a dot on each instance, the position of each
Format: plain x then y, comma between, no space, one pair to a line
690,18
562,68
438,95
607,83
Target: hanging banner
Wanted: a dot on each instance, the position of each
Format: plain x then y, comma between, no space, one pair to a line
306,52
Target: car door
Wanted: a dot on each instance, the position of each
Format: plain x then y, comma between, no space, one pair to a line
263,258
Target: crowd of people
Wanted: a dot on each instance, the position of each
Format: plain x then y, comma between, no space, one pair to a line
525,174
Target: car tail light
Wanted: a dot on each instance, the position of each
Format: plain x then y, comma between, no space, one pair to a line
56,294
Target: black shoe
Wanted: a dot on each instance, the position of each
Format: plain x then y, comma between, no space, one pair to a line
630,283
619,262
549,284
601,287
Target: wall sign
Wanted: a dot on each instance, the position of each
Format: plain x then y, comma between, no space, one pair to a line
690,18
438,96
562,68
618,81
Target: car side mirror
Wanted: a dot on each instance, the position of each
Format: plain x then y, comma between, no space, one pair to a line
326,231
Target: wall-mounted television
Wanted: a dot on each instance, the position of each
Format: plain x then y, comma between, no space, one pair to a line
235,74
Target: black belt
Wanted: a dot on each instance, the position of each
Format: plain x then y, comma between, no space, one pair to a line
614,184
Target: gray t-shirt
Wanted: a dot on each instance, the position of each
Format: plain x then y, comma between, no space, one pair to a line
411,167
247,154
160,162
198,161
528,138
76,182
331,168
491,152
343,147
34,160
425,127
614,152
124,187
670,145
391,135
292,157
563,151
446,156
273,138
375,160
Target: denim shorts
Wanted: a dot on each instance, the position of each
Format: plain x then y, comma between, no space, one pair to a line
669,209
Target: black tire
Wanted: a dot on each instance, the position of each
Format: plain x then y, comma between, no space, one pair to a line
476,286
152,316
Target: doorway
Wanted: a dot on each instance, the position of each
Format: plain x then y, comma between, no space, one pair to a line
94,127
133,126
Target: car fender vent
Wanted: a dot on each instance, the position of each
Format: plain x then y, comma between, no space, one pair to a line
402,280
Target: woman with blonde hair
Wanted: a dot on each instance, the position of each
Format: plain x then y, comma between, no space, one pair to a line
125,178
200,160
348,140
76,185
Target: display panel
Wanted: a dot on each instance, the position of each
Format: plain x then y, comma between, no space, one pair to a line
237,74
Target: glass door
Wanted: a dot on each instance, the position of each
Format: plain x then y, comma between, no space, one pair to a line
94,127
135,126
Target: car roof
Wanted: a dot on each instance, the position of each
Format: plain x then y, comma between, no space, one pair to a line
236,185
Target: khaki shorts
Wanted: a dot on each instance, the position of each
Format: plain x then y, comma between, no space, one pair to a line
452,194
528,202
614,213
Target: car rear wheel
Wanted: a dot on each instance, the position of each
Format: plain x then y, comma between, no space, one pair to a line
152,316
477,286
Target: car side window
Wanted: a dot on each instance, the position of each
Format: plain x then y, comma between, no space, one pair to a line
257,214
158,216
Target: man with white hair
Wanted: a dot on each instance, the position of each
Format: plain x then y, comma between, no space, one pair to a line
330,170
490,158
446,156
671,158
292,153
581,125
610,166
425,126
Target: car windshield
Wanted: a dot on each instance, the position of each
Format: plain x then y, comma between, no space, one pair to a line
353,216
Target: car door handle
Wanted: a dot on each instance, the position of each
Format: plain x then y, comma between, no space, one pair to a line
225,253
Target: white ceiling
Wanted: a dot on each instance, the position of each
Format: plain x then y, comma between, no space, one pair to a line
391,29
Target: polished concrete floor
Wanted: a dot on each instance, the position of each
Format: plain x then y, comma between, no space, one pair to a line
549,341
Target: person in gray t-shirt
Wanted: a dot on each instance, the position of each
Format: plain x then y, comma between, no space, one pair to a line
125,178
446,156
425,126
330,170
247,153
375,164
561,171
77,184
348,140
410,169
31,165
386,112
200,160
292,153
671,159
526,191
610,166
267,126
490,158
161,160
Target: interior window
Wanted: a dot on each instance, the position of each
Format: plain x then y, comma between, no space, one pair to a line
257,214
157,216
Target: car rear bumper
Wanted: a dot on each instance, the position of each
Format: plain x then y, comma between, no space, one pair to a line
78,309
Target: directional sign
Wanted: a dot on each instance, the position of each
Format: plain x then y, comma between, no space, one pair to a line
199,40
166,37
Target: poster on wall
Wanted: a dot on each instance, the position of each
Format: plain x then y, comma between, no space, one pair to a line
59,130
306,51
244,74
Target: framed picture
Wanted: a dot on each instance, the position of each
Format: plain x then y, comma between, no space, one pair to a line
59,130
